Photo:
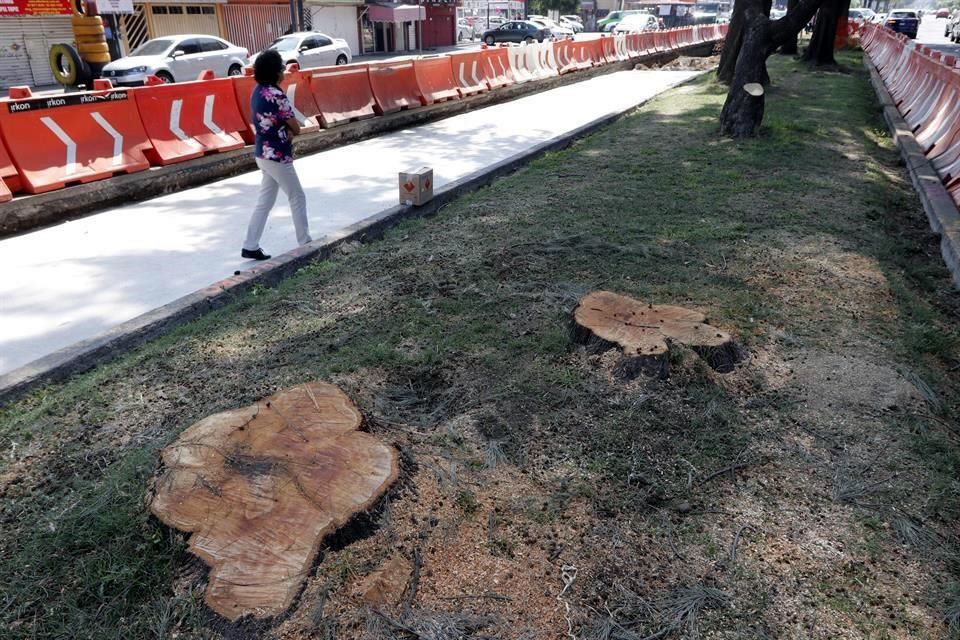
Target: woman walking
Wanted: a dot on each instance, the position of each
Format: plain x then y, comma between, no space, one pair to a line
275,126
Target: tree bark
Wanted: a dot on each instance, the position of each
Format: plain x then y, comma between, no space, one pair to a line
790,47
742,112
731,45
820,50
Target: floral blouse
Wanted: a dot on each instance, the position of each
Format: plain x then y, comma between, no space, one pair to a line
271,109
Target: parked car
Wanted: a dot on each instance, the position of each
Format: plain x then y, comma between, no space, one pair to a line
573,25
608,22
861,15
880,18
177,58
517,31
311,49
555,29
465,31
574,18
636,23
943,13
903,21
953,25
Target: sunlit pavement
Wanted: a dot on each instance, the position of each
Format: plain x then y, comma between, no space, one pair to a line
931,34
73,281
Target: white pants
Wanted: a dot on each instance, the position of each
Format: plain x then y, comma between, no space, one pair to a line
278,175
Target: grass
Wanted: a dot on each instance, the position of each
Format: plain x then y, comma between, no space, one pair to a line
452,336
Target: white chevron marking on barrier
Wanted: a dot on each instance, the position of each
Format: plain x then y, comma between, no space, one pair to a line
208,119
292,97
473,72
175,129
117,137
463,81
71,164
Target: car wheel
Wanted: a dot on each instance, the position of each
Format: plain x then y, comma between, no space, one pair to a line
528,40
235,70
460,37
165,76
341,59
490,41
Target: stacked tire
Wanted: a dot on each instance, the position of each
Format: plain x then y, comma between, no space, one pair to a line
91,39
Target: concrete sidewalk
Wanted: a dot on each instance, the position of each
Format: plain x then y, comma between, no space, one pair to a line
73,281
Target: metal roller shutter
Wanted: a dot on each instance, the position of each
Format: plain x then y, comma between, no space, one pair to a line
338,22
25,48
255,26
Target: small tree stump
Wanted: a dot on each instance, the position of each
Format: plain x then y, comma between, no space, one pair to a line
603,320
260,487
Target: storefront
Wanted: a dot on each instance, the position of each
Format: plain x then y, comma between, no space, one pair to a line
440,26
337,19
390,27
28,28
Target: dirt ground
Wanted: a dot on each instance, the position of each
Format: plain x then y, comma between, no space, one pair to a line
810,493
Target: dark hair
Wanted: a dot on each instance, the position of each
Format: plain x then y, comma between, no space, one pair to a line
267,67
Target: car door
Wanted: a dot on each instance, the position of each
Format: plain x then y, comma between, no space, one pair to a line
187,65
214,56
507,32
326,52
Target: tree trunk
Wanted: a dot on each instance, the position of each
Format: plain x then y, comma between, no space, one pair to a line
790,47
743,112
820,50
732,43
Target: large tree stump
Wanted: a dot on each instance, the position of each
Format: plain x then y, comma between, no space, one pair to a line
260,487
604,320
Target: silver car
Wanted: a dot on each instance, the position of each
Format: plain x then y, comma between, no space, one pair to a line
312,49
177,58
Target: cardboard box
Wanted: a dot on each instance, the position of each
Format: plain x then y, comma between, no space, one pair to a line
416,186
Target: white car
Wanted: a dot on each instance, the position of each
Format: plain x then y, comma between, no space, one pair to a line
465,31
637,22
559,31
311,49
177,58
576,27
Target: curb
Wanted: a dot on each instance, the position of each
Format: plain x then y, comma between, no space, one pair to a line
89,353
28,212
939,206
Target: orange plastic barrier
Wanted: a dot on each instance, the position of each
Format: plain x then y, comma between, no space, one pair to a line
608,49
9,178
435,79
188,119
498,68
394,86
296,84
65,139
342,93
470,72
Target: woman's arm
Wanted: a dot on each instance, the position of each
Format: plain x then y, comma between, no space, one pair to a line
293,126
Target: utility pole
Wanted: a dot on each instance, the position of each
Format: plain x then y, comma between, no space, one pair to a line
293,15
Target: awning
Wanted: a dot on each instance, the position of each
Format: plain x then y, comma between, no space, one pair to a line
394,12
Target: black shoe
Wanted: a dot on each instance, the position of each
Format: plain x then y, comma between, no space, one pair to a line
254,255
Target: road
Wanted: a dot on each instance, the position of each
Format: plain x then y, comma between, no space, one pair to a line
73,281
931,34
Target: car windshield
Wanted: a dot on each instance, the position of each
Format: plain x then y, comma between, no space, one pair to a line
283,44
903,14
152,48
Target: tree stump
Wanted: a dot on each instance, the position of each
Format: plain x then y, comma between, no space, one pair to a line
603,320
260,488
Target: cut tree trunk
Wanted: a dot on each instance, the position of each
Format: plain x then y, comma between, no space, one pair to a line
743,110
644,332
260,487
